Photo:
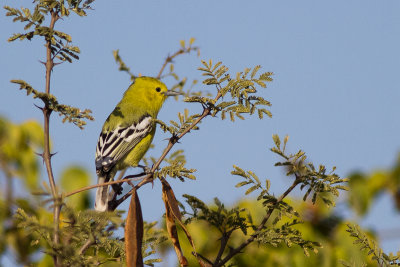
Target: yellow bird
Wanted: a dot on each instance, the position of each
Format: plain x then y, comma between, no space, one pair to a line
128,132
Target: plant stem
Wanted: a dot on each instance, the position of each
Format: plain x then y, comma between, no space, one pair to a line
119,181
238,249
170,58
46,153
85,246
224,241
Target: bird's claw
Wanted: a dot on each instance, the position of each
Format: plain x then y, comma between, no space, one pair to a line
117,188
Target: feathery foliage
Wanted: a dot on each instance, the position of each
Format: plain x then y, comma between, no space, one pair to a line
316,181
241,90
70,114
280,220
374,251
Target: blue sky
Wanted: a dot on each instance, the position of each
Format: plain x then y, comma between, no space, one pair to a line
335,89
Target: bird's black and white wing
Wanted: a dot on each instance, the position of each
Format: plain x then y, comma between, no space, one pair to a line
114,145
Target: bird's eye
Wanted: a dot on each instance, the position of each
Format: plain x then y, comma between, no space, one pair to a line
158,89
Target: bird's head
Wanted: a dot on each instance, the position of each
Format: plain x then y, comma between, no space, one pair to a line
149,92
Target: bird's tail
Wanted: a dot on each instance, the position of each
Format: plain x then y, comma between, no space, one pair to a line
101,202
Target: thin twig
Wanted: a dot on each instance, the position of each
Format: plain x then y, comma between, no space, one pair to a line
170,58
85,246
120,181
203,258
46,153
238,249
224,242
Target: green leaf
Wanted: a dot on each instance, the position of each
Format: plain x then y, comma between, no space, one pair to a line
267,184
254,72
277,141
242,183
251,189
254,176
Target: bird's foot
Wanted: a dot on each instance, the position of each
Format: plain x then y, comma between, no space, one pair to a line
117,188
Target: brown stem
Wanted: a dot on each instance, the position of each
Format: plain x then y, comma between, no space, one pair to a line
224,242
238,249
46,153
119,181
206,262
85,246
169,59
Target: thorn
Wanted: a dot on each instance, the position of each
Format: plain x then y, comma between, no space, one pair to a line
44,63
40,155
58,63
38,107
52,154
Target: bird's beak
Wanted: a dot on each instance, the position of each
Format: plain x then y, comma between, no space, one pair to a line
172,93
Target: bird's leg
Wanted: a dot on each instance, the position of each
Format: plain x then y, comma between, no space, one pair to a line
117,188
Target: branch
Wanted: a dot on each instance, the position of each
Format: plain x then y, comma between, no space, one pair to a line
119,181
238,249
207,261
224,242
169,59
46,153
85,246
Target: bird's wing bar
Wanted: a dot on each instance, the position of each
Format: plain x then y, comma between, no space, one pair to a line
114,145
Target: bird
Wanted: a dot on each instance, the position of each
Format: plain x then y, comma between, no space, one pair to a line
128,132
